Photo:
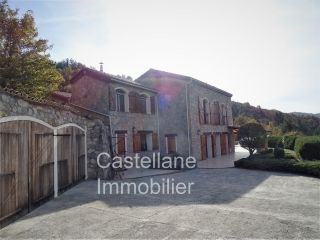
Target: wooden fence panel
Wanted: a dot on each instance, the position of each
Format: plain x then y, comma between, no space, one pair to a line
64,157
41,165
13,169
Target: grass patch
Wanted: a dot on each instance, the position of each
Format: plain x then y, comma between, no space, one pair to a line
268,163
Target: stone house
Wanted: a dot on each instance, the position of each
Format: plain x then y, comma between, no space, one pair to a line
159,111
195,118
130,106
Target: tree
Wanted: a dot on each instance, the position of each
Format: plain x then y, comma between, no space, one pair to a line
251,136
24,62
67,68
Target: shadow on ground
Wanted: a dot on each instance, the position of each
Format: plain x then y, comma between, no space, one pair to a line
209,186
224,203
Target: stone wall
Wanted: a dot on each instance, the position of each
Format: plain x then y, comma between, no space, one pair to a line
12,104
172,110
196,92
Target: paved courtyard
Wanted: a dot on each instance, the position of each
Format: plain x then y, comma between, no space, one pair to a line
224,203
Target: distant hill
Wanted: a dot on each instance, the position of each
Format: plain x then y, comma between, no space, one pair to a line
276,121
307,114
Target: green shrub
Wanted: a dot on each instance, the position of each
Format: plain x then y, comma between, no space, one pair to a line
308,148
266,151
278,153
310,168
290,154
289,141
275,142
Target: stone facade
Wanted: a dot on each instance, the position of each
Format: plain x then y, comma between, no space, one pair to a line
55,115
179,98
97,91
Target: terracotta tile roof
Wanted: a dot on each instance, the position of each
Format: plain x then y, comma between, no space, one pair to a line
40,101
108,78
61,95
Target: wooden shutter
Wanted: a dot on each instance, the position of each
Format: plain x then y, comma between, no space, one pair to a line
155,143
112,98
134,102
121,143
201,120
212,114
223,144
131,102
153,104
221,114
216,113
171,144
136,143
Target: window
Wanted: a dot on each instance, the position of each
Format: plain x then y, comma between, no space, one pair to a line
140,142
143,103
120,100
137,102
171,143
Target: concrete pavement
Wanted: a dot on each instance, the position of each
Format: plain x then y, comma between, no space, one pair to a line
224,203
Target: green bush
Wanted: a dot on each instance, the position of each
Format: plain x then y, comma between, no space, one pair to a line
289,141
275,142
266,151
308,148
278,153
310,168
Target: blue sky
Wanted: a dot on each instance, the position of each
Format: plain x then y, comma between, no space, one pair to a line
266,52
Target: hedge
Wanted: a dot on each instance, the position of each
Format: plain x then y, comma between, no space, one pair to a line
310,168
289,141
275,141
278,153
308,148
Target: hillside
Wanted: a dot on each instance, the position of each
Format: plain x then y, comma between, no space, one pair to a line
276,121
306,114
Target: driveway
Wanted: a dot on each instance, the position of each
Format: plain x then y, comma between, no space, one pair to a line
224,203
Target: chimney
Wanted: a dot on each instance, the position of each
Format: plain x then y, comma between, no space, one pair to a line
101,66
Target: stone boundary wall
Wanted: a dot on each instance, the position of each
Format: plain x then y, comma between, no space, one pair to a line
14,104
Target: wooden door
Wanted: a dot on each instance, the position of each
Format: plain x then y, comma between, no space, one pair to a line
203,144
223,143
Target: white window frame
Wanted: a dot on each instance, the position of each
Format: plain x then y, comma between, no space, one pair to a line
126,99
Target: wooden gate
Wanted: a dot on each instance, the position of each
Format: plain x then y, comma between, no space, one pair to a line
71,156
27,163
